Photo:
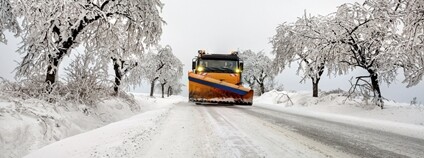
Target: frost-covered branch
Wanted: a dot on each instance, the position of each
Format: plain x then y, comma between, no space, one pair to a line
52,29
7,20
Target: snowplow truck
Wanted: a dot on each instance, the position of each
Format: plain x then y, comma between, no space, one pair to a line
216,78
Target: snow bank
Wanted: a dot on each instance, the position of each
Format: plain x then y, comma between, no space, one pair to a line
399,118
27,125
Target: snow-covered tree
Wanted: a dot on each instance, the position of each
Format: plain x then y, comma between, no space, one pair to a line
160,67
170,75
151,66
408,15
356,35
306,43
174,85
52,29
412,14
7,20
366,40
258,68
174,88
170,81
122,48
248,76
121,68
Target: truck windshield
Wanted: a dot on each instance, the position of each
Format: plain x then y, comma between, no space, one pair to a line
228,66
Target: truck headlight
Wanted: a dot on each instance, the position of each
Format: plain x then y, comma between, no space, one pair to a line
237,70
200,68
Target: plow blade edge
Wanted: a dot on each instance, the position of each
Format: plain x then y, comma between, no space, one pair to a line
203,89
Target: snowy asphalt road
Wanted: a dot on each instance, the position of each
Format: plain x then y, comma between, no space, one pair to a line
187,130
247,131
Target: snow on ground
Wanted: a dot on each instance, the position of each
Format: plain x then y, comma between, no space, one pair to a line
401,118
171,127
119,139
27,125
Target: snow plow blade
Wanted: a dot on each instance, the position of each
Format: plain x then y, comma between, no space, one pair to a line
204,89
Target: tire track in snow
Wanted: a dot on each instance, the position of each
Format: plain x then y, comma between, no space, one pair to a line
359,141
134,140
236,143
185,133
274,141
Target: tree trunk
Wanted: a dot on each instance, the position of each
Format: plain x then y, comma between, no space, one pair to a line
63,49
117,84
251,84
315,87
262,87
169,91
376,89
261,83
52,69
118,77
64,46
152,87
51,74
316,79
163,89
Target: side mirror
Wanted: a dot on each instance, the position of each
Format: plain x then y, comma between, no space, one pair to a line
241,66
193,64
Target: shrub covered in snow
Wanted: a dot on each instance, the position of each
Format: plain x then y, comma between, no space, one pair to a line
86,81
76,91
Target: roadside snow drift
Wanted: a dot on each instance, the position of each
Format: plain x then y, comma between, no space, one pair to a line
400,118
28,125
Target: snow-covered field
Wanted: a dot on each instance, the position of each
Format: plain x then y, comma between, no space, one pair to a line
170,127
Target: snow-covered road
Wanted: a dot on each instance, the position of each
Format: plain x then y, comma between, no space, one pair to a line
240,131
188,130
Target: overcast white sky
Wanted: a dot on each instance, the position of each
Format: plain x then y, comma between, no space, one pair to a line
220,26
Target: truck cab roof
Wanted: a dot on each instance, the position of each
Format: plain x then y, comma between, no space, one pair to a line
220,57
